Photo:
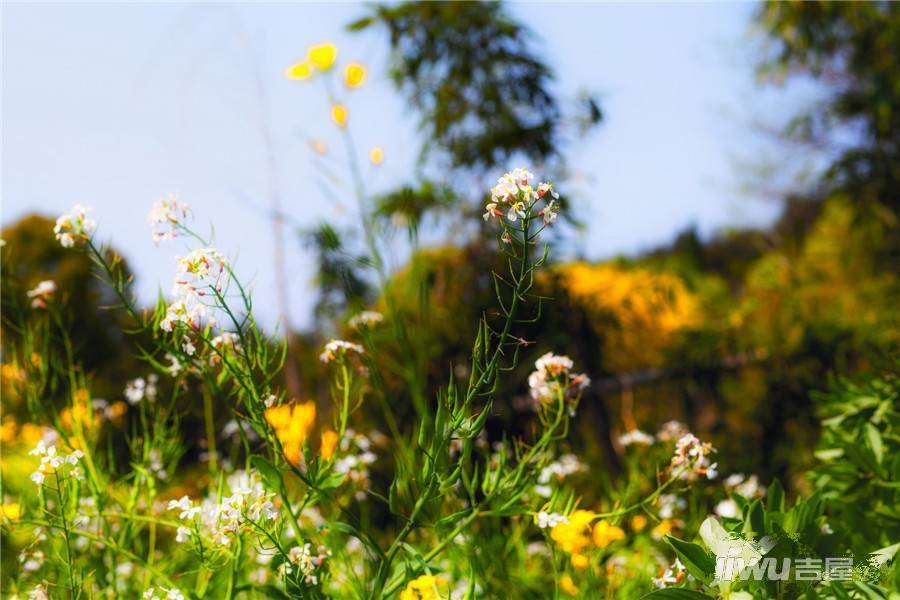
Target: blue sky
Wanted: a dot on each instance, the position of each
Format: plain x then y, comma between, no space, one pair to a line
115,105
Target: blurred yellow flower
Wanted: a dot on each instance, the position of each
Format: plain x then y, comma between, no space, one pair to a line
354,75
292,424
605,534
12,511
572,535
421,588
376,155
568,586
300,70
30,434
339,114
81,414
36,359
319,147
116,410
328,444
662,529
580,561
322,56
649,309
8,430
11,372
638,522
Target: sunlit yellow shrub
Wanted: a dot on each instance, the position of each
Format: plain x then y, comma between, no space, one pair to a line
637,311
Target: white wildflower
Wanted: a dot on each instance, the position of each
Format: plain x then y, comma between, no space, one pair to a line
74,227
303,559
42,293
671,431
337,349
673,575
551,520
636,436
728,509
691,459
366,318
39,592
165,217
553,377
748,487
182,534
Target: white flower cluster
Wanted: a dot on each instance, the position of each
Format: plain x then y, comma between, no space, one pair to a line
42,293
221,520
338,349
636,436
222,344
356,456
74,227
513,195
670,505
32,560
141,389
691,458
671,431
748,487
568,464
199,272
367,318
303,559
162,594
54,463
165,217
553,376
38,592
673,575
551,520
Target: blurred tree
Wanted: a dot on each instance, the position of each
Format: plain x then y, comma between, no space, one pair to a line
342,287
471,70
852,48
31,254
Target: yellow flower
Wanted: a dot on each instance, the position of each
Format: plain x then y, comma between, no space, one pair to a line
662,529
292,424
36,359
339,114
30,434
11,372
568,586
319,147
376,155
572,535
117,410
322,56
300,70
605,534
638,522
11,511
81,414
329,443
423,587
8,430
580,561
354,75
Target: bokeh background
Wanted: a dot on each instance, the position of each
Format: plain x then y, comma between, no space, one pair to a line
729,174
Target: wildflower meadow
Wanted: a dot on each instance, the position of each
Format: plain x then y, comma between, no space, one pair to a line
487,419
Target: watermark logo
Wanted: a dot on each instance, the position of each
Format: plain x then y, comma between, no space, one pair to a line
836,568
746,559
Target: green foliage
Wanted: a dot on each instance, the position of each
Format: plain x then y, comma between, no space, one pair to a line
851,47
859,454
472,70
